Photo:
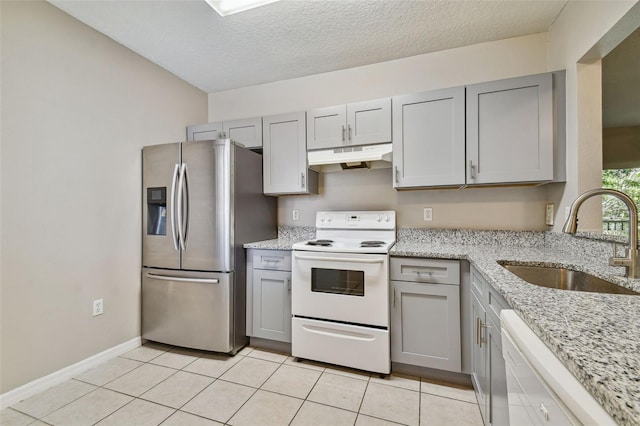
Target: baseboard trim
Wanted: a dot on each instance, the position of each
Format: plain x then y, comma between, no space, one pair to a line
16,395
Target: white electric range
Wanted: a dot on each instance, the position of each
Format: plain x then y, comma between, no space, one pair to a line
340,290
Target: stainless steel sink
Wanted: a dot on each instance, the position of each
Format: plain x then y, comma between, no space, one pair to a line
565,279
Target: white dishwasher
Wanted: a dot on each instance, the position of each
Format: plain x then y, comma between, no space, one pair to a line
541,390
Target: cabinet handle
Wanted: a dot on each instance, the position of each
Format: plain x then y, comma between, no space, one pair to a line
472,170
289,285
544,411
478,332
482,326
302,180
396,174
343,133
394,297
349,127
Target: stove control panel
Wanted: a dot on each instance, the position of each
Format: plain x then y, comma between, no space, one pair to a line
356,219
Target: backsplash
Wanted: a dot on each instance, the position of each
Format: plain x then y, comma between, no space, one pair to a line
296,233
594,244
583,244
471,237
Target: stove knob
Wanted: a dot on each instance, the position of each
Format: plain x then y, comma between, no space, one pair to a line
386,218
379,218
321,219
329,219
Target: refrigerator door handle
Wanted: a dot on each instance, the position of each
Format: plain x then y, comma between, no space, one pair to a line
187,209
183,168
183,279
172,206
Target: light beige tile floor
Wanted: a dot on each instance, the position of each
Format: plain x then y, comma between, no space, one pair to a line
157,384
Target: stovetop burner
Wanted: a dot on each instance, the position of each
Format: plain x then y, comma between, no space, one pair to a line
369,244
322,243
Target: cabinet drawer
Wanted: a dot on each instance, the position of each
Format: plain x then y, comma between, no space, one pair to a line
279,260
425,270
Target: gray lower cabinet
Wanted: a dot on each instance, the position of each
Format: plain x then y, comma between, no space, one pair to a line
488,367
269,291
425,313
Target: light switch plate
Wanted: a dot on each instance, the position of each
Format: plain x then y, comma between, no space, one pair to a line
548,218
295,214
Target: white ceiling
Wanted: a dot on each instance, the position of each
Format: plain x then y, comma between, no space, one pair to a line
295,38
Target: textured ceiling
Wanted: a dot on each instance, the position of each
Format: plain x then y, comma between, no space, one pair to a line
295,38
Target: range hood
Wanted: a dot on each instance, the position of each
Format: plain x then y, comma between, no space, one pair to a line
351,157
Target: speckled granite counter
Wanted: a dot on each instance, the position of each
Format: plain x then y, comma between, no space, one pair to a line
287,236
596,336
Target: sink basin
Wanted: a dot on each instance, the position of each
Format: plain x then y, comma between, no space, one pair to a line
565,279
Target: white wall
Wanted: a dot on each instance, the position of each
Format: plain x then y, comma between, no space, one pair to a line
76,109
492,208
580,36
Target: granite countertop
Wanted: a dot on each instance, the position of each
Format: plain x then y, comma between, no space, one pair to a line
275,244
596,336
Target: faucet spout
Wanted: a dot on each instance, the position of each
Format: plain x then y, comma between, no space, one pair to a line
632,261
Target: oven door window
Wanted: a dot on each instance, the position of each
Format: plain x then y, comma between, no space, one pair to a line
337,281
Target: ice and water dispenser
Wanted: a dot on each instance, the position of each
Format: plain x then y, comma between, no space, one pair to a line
157,211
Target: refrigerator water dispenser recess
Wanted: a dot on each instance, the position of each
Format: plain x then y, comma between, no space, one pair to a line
157,211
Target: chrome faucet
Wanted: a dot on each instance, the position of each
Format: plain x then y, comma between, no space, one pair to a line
632,261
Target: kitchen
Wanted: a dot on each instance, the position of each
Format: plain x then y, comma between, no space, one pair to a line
96,104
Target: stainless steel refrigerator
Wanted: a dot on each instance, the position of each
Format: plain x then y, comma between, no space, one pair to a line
201,202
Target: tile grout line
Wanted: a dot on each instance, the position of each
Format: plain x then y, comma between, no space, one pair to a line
202,355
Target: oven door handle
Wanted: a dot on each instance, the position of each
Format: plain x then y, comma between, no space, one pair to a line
339,259
342,334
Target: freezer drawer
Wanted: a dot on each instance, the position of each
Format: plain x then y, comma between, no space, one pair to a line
189,309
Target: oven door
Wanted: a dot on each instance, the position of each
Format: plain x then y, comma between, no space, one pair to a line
346,287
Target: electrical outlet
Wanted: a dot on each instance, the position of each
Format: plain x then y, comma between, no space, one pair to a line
548,218
295,214
428,214
98,307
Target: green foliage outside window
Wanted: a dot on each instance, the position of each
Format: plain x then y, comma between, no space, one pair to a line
613,210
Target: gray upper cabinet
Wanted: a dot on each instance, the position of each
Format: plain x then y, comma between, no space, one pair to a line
429,139
285,156
246,131
510,130
205,132
360,123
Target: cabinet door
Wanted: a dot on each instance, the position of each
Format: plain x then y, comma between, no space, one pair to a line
479,356
425,325
369,122
246,131
429,139
326,127
205,132
510,130
498,404
285,154
272,305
